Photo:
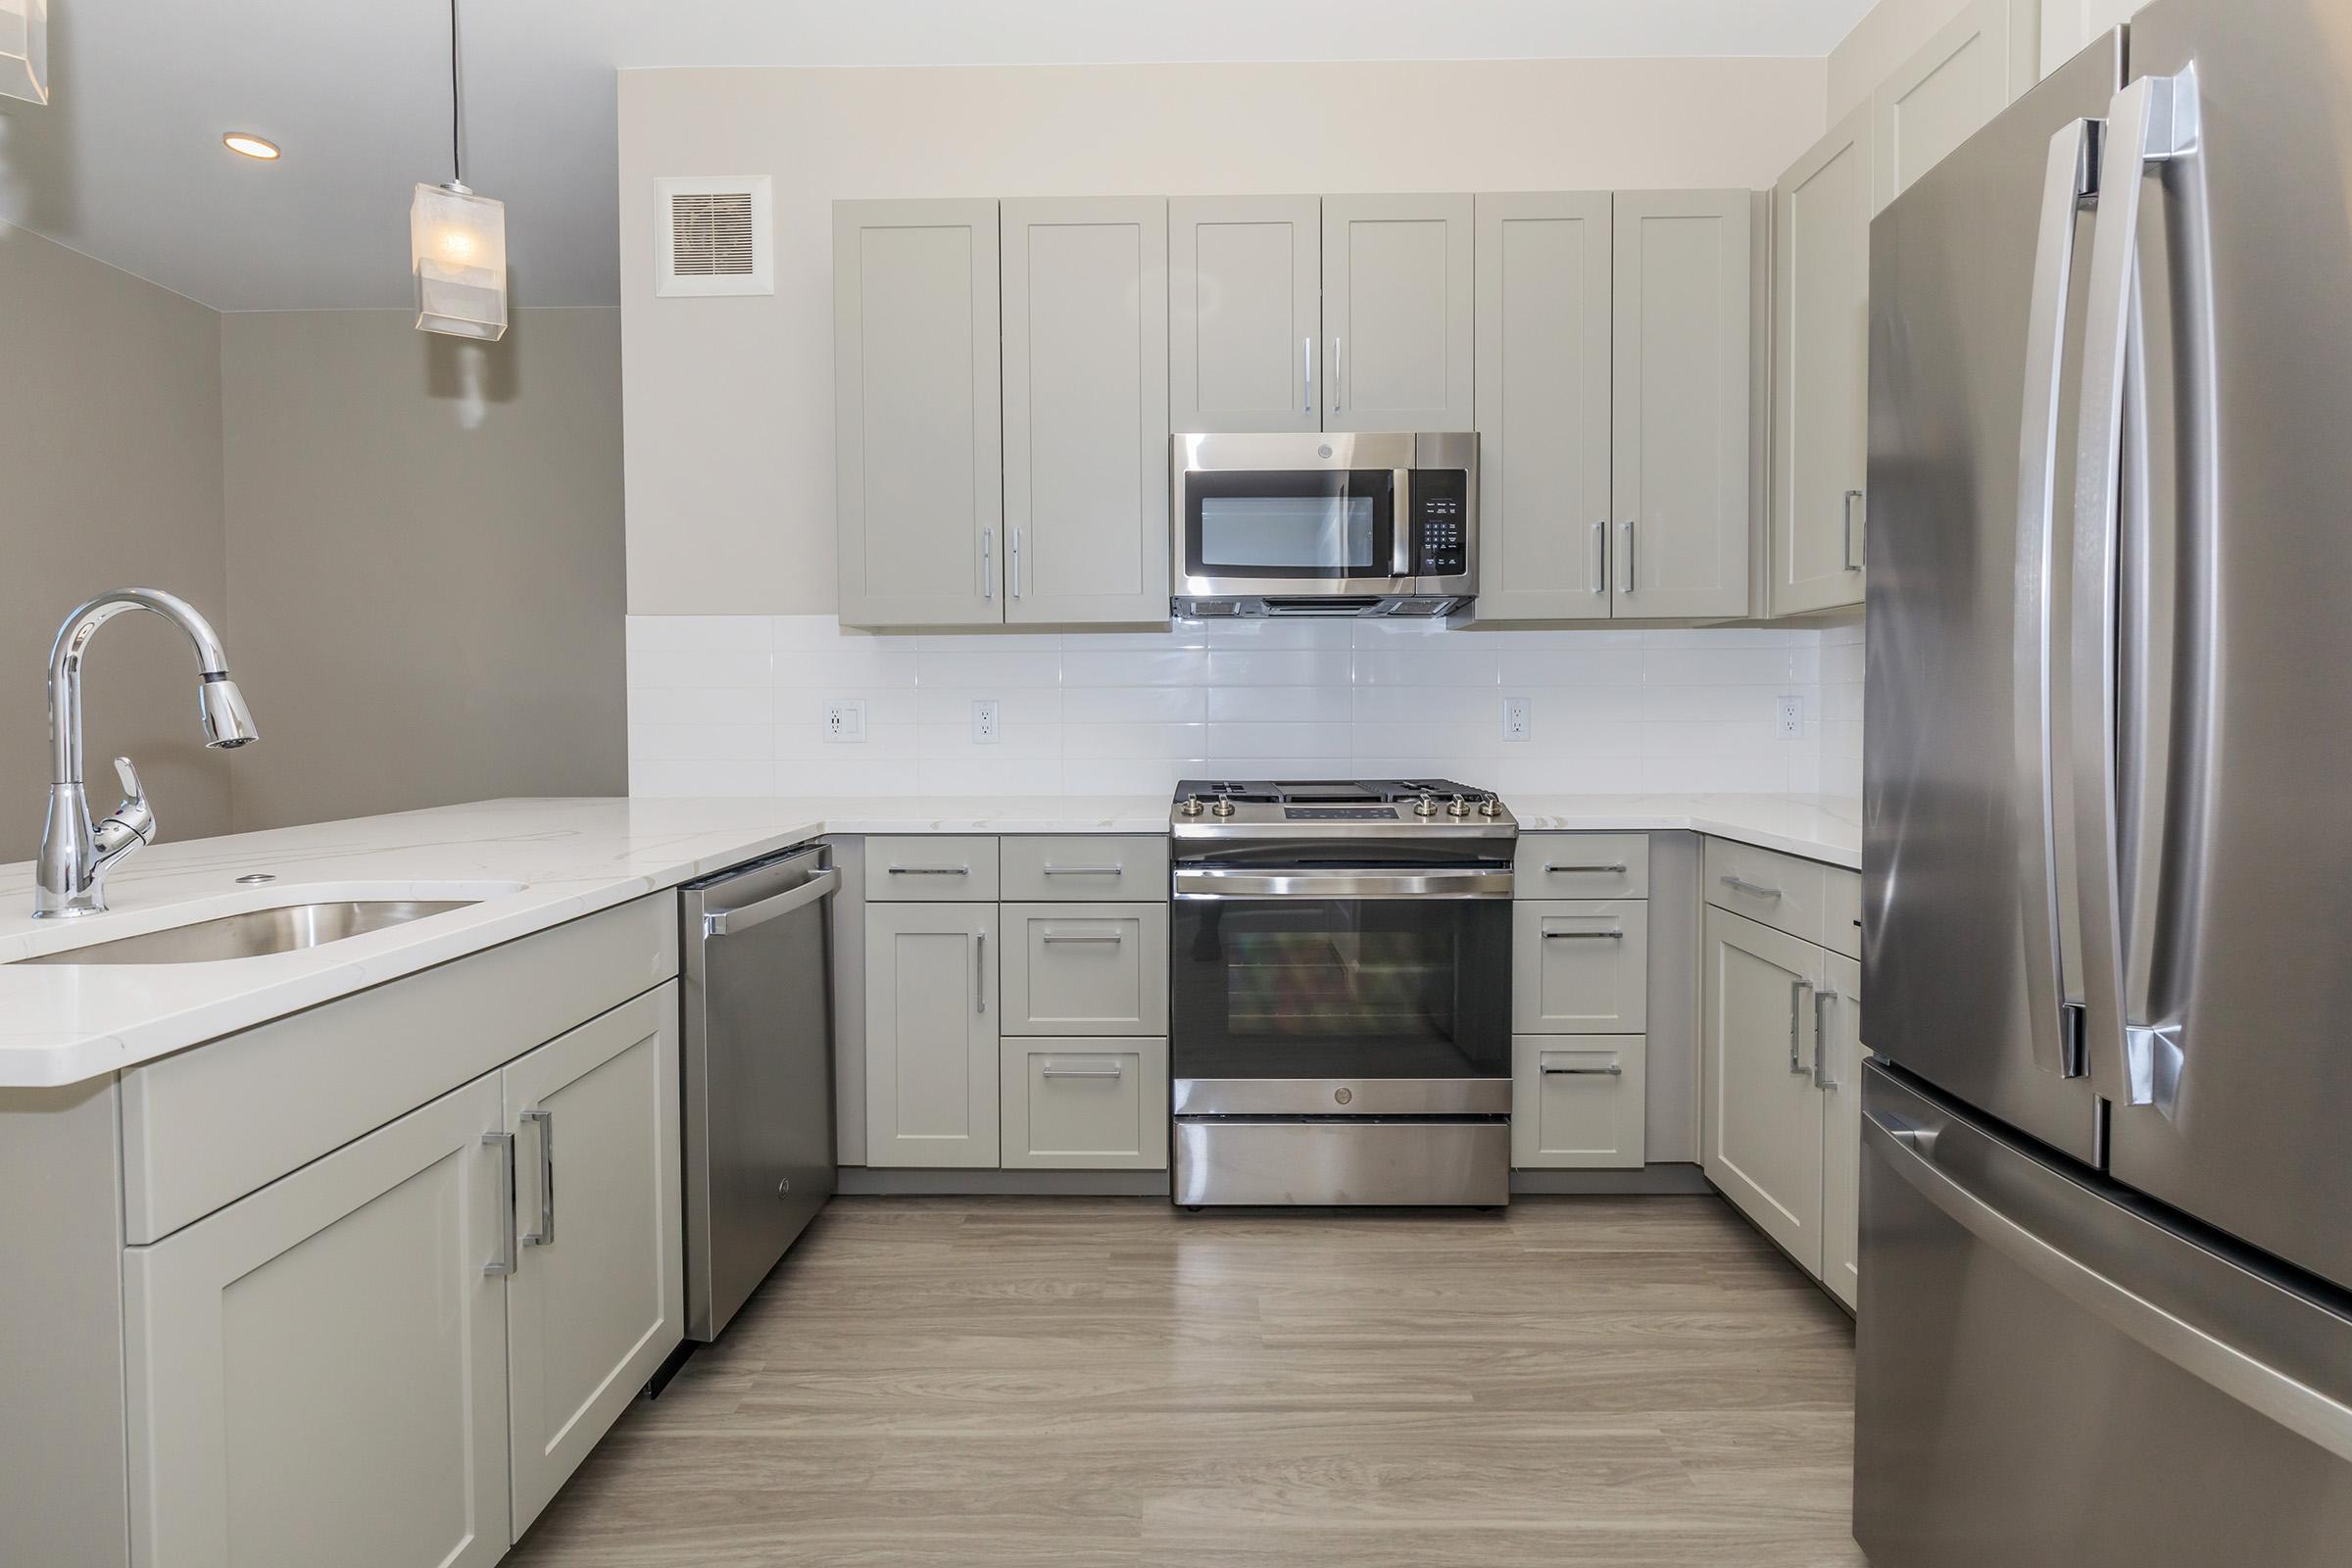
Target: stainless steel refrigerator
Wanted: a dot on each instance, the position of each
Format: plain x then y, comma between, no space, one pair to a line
2106,1294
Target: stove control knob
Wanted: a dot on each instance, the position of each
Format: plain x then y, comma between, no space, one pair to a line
1425,805
1190,806
1223,808
1459,807
1491,806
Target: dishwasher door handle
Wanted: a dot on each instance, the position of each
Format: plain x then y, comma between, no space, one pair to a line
727,922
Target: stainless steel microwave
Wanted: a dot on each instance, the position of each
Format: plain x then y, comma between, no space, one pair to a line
1323,523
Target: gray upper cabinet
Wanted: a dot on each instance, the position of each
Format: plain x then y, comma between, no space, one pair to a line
1086,410
1821,372
1679,475
919,452
1960,78
1543,399
1396,312
1245,313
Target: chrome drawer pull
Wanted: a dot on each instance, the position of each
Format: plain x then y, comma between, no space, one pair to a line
980,971
1821,1040
1755,889
930,871
504,1262
1582,936
1085,871
1083,936
1560,871
1082,1072
545,1235
1796,1012
1611,1071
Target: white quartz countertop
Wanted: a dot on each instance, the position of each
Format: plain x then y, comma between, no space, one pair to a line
534,863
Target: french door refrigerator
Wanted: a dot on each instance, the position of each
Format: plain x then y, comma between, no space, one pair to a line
2106,1292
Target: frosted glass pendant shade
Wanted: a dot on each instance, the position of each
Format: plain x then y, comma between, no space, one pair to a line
24,50
457,241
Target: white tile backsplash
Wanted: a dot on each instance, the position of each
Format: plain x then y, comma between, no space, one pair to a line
722,704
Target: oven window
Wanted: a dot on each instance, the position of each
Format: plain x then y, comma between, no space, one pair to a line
1286,523
1315,988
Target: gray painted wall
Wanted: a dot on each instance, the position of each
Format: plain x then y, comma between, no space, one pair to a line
110,476
424,560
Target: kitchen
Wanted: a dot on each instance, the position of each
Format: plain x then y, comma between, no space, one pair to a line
1203,753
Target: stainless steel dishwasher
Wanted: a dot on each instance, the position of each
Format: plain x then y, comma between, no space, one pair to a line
758,1110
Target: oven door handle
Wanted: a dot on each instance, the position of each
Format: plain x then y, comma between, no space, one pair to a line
1341,882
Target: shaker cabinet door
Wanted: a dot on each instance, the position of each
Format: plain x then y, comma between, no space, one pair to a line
1679,476
1543,399
918,449
1761,1116
1397,302
1086,411
598,1296
1959,79
317,1372
931,1033
1821,372
1245,313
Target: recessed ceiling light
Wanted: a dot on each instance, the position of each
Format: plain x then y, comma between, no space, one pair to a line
251,146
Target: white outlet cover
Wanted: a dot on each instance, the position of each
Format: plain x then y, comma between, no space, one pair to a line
844,723
985,730
1518,718
1788,715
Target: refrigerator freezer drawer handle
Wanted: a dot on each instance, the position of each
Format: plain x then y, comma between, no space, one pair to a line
2309,1412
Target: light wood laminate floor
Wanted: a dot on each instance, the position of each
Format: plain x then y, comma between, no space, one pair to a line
1638,1382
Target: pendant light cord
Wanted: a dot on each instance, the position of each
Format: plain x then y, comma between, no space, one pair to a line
457,146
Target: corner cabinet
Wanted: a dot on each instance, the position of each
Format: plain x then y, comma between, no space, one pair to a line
1245,313
1821,374
1396,287
919,440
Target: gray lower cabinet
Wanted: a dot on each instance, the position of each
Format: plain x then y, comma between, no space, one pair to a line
1841,1052
597,1299
1543,399
917,413
1086,1103
1085,969
931,1034
1245,313
1762,1116
1086,410
1396,312
1578,1102
1580,966
319,1372
1679,475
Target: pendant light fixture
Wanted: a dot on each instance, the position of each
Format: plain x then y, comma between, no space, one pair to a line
457,240
24,50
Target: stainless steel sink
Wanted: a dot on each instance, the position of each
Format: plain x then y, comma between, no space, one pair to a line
255,931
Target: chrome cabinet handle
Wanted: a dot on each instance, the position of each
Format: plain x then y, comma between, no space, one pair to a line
1083,936
980,971
1561,870
1821,1039
930,871
1085,871
1796,1015
504,1262
1600,557
1339,373
1308,405
1610,1071
988,562
1582,936
1082,1072
1852,564
1015,559
1754,889
545,1235
1625,564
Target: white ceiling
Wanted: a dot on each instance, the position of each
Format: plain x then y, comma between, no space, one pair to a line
126,165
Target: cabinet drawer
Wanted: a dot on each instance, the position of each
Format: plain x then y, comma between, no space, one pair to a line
1578,1101
1084,865
1772,889
1842,911
1086,969
1085,1105
1582,865
1580,966
930,869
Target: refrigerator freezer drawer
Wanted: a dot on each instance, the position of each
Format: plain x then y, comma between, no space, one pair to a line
2048,1376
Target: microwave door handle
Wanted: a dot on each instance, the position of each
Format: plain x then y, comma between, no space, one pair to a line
2045,840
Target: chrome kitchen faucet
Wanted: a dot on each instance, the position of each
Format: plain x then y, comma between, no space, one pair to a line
76,856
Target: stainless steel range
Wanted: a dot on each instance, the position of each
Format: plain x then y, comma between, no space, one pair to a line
1340,975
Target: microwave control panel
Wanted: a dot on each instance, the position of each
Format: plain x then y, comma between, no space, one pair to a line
1441,498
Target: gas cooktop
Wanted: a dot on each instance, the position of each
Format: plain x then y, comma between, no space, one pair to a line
1228,808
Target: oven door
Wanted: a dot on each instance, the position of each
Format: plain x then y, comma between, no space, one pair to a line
1336,990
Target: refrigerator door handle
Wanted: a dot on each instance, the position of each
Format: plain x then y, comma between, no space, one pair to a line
2151,120
1931,1153
2045,840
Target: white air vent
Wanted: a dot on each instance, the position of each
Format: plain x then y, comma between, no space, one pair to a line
714,236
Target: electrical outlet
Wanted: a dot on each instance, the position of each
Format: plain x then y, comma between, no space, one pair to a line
1789,711
1518,718
984,722
844,723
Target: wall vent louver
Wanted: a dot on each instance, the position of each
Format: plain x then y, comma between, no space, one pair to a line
713,234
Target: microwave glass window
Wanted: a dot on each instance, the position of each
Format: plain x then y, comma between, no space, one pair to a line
1329,533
